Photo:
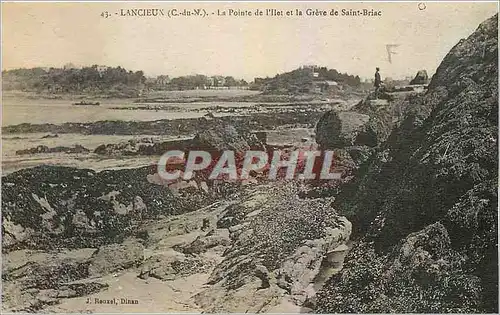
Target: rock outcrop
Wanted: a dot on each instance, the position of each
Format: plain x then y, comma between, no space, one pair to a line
216,137
33,280
124,244
278,245
183,127
116,257
261,249
340,129
61,149
226,137
144,146
424,206
368,123
355,134
52,206
420,78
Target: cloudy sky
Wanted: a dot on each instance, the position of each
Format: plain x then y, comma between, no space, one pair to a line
53,34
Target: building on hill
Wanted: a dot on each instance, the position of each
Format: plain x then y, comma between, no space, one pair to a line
101,69
327,86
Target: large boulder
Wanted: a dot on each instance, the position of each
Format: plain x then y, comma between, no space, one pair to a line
364,128
226,137
420,78
343,129
369,123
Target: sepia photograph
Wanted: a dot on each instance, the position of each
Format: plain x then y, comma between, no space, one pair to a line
249,157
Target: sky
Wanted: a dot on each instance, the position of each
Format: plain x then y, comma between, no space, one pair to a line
54,34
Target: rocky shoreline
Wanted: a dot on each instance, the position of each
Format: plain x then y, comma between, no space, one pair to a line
424,206
415,212
180,127
250,247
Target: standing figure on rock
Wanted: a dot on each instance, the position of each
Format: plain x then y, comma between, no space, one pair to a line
378,82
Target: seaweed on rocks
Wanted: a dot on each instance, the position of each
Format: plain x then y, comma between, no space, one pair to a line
54,206
424,206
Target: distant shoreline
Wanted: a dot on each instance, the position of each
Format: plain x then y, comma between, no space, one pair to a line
59,96
182,96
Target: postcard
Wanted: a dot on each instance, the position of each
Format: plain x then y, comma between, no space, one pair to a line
249,157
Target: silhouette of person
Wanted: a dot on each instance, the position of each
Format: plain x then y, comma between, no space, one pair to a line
378,82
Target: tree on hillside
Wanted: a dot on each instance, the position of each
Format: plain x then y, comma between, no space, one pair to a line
71,79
